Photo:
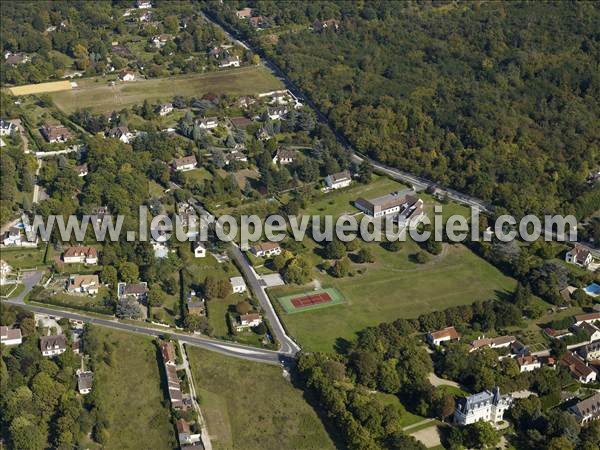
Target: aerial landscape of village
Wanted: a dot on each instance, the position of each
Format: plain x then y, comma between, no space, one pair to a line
297,224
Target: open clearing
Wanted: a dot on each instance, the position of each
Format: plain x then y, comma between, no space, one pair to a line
249,405
102,98
41,88
393,287
130,391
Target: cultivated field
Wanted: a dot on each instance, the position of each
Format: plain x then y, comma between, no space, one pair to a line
100,97
41,88
129,390
249,405
392,287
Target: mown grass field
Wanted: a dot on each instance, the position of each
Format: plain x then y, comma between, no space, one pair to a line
100,97
393,287
250,405
41,88
130,391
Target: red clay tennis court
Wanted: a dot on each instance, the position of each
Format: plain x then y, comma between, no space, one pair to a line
312,299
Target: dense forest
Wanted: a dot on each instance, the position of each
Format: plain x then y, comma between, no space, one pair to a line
497,99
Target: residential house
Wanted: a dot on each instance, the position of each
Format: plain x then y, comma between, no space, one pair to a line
15,59
589,318
517,348
579,256
137,291
84,381
169,359
183,432
80,254
161,40
590,352
263,134
199,249
284,156
81,170
12,237
498,342
393,203
487,406
165,109
55,133
121,133
244,13
184,164
217,52
246,101
83,284
167,350
230,61
238,285
10,336
528,363
53,345
246,321
411,211
587,410
578,368
557,334
235,156
323,25
100,212
207,123
591,330
143,4
196,305
127,75
266,249
6,127
338,180
277,112
447,334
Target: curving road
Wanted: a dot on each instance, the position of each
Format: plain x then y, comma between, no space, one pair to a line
30,279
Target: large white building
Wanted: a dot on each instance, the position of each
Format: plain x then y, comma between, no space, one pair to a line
338,180
487,406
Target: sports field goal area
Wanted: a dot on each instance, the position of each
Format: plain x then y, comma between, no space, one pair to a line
310,300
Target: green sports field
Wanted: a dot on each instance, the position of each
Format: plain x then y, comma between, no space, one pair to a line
286,300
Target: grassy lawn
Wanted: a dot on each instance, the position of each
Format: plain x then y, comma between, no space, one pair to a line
25,258
197,175
340,202
100,97
130,391
12,289
391,288
249,405
406,417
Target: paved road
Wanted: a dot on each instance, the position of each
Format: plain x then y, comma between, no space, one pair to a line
405,177
287,344
30,279
394,173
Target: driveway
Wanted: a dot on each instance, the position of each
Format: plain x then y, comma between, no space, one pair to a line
429,437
